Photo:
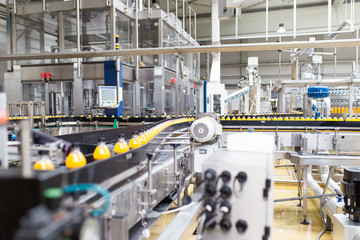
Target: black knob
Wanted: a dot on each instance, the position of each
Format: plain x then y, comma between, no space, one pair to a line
225,192
225,176
210,175
241,177
225,224
211,225
210,190
225,207
210,206
186,200
241,226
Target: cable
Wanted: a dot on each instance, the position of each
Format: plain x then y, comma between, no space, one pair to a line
178,209
95,188
201,226
322,202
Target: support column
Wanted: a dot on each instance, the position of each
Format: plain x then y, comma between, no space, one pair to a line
258,95
159,91
78,106
136,97
61,35
351,100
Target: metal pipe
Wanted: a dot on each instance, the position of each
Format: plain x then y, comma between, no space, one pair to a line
150,181
191,49
278,35
294,19
26,166
189,20
237,22
167,8
329,16
301,198
334,187
335,59
329,204
352,12
195,25
317,53
44,5
176,12
78,35
357,54
266,22
183,10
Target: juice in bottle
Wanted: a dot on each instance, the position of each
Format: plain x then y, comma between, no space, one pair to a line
147,135
101,151
44,163
142,137
75,158
121,146
135,141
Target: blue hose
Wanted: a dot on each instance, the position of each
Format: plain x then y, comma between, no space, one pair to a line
95,188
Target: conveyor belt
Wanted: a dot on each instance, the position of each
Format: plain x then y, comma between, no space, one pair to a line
16,201
324,125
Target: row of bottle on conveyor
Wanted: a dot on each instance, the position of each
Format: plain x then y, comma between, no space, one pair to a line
344,110
77,159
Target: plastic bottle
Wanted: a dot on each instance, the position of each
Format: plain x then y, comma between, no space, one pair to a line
101,151
147,135
44,163
142,137
75,158
135,141
121,146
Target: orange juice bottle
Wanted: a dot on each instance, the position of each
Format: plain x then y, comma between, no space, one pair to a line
142,137
135,141
44,163
75,158
121,146
101,151
147,135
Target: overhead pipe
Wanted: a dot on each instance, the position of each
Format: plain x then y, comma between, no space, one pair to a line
294,19
190,49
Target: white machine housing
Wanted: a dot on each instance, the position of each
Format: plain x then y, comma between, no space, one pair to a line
252,153
205,130
344,228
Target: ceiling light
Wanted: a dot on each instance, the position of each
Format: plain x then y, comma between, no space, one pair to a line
281,28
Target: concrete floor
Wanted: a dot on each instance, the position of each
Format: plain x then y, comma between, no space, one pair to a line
287,215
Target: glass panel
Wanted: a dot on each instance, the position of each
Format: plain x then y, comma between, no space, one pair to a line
124,28
169,100
94,30
149,38
127,98
36,33
147,99
169,40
